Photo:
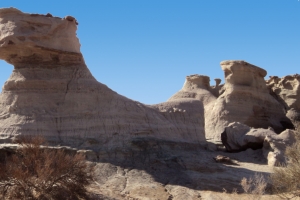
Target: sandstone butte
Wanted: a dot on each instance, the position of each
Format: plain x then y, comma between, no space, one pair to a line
52,93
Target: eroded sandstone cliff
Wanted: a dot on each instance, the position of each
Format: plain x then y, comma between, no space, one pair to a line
245,99
52,93
287,91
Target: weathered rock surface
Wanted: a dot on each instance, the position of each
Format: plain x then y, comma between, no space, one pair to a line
275,145
186,108
52,93
195,87
246,99
140,152
287,91
239,137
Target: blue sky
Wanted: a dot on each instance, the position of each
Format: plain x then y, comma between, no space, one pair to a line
143,49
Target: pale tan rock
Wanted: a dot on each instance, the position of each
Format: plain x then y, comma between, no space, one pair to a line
287,91
23,36
246,99
275,145
239,137
186,108
195,87
218,89
52,93
187,115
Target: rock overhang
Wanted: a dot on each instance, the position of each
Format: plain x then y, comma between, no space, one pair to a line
25,37
241,65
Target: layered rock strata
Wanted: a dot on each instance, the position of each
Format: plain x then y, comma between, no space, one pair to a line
186,108
246,99
287,91
196,87
52,93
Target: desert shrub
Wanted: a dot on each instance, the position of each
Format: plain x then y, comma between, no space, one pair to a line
285,179
35,173
255,185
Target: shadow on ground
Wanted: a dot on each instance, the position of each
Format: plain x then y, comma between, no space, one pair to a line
153,163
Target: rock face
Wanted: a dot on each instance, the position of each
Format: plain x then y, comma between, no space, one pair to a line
246,99
196,87
52,93
275,145
287,91
239,137
186,108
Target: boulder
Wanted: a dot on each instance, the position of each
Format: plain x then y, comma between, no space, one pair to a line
245,99
287,91
52,93
275,145
239,137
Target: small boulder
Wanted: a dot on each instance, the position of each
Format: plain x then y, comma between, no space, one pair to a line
239,137
275,145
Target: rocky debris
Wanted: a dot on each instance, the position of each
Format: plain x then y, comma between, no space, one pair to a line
275,145
246,100
287,91
224,159
52,93
239,137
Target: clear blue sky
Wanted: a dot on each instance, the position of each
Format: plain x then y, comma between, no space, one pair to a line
143,49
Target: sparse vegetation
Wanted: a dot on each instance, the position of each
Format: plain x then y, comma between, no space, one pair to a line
285,179
43,173
255,185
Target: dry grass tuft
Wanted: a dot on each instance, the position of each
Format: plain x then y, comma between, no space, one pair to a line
285,179
255,186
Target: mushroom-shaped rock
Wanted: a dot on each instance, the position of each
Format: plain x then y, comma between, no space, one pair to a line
218,81
275,145
218,89
239,137
195,87
246,99
287,91
52,93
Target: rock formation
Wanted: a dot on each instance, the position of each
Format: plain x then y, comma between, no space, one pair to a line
275,145
218,89
246,99
195,87
139,151
186,108
239,137
287,91
52,93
